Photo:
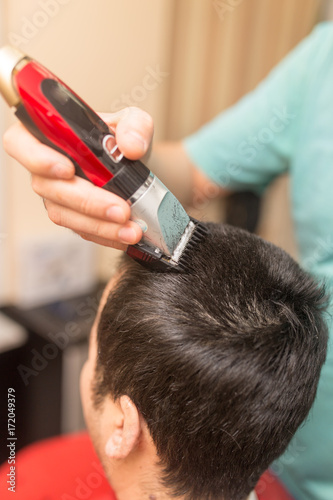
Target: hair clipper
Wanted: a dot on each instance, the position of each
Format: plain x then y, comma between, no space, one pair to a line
57,116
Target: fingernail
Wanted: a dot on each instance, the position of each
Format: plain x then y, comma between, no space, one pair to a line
61,170
141,143
116,214
142,224
127,235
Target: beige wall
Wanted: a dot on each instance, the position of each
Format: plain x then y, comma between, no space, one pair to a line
327,9
3,218
223,49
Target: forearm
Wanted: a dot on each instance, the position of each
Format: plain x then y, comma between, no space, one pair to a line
170,162
171,165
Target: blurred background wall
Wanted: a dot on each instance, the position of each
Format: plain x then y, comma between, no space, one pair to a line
203,55
222,49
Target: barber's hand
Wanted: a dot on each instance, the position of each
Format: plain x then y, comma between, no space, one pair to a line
92,212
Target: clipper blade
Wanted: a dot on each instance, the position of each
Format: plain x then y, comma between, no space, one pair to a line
180,260
199,234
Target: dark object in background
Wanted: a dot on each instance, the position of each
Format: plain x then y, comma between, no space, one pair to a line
13,340
45,371
242,210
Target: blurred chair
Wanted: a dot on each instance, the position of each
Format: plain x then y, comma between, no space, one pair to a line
242,209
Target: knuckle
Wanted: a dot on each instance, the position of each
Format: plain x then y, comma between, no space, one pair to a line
148,120
144,116
85,236
35,184
85,206
47,203
103,231
98,229
35,161
54,214
133,110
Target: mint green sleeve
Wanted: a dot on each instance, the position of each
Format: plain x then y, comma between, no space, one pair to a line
248,145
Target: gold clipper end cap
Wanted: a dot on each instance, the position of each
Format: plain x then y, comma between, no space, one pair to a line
9,58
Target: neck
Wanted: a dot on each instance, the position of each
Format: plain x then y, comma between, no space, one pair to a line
139,494
136,479
137,476
141,483
144,487
147,489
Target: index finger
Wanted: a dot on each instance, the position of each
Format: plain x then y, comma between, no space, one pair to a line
84,197
36,157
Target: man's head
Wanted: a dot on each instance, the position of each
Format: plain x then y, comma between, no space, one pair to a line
210,372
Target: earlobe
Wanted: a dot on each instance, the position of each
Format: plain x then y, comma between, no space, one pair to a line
113,445
125,436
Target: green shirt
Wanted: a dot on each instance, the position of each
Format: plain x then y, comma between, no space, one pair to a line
286,125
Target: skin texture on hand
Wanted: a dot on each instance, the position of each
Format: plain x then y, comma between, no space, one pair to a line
94,213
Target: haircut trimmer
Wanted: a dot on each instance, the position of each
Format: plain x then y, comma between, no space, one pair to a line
59,118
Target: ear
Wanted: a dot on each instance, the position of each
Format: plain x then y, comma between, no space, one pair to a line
126,433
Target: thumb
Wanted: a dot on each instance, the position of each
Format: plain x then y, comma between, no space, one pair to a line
133,129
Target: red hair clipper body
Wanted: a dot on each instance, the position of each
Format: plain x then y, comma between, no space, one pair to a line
56,116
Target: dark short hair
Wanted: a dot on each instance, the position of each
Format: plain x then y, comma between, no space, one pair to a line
222,362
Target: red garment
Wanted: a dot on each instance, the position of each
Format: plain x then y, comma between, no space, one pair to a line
67,468
269,488
62,468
